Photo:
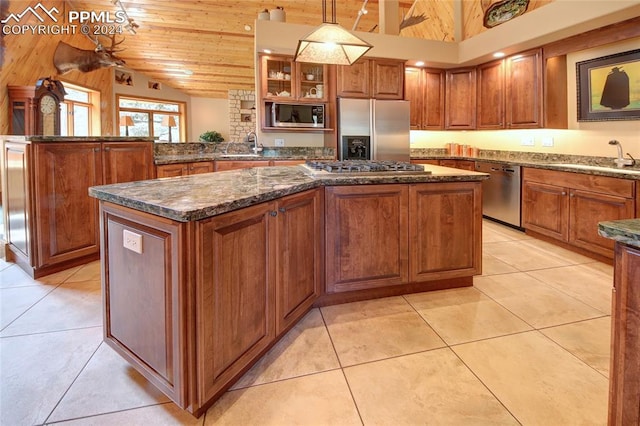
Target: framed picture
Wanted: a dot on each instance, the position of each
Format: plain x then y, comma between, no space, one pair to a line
123,77
609,87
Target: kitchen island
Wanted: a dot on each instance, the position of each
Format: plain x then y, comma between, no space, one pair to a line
624,374
203,274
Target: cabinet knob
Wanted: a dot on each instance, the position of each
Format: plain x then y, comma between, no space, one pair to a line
282,210
564,193
273,213
107,148
571,194
96,149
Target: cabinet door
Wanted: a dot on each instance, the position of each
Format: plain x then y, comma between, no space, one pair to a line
445,230
127,161
491,95
235,293
312,81
67,219
545,209
387,80
201,167
586,210
171,170
277,77
366,234
353,80
461,99
298,236
414,94
433,99
524,90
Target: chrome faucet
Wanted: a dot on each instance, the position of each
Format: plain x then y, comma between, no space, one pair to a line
621,161
256,148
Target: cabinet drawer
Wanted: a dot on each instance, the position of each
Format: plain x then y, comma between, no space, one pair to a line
601,184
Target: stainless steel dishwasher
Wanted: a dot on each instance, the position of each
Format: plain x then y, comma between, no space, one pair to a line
501,192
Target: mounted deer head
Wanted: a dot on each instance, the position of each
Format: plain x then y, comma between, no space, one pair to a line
67,58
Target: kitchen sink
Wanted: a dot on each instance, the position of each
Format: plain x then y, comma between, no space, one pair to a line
597,168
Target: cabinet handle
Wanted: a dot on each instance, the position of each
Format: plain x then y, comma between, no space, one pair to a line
571,194
282,209
273,213
107,148
96,149
564,193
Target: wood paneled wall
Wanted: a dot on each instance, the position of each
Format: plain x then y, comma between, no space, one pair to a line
28,58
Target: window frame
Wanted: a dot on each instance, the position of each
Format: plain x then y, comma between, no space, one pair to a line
93,106
181,114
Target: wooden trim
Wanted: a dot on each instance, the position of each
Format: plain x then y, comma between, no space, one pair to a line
608,34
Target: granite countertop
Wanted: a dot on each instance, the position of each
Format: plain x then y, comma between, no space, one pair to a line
188,158
196,197
539,161
625,231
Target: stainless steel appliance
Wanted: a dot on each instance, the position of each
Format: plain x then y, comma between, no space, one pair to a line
297,115
370,129
501,192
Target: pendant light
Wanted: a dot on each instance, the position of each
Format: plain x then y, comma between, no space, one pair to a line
330,43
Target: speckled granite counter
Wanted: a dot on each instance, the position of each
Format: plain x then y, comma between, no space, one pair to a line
539,160
625,231
197,197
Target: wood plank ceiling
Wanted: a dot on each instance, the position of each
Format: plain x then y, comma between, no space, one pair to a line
210,37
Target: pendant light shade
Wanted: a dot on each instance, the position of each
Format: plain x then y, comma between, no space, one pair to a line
331,44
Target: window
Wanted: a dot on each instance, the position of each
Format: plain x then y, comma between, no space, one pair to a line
80,112
161,119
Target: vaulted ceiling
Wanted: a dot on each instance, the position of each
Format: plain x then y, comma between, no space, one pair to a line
215,38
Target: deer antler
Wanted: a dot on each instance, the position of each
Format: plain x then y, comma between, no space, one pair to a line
101,48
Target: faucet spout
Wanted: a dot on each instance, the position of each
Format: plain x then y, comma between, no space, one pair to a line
621,161
256,148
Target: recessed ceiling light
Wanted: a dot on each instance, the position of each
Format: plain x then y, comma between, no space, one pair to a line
498,54
419,63
267,51
247,27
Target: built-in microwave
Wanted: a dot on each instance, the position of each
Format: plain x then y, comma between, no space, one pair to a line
297,115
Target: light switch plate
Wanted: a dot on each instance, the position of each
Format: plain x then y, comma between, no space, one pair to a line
527,141
132,241
279,142
547,141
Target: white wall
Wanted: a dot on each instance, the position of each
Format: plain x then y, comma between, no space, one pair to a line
209,114
582,138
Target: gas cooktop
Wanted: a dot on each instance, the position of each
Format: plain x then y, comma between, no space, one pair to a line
363,167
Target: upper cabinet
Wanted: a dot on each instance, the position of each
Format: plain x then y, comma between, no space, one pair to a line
510,92
461,99
371,78
424,89
282,79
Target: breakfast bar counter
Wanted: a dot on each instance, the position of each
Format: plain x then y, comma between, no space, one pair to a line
203,274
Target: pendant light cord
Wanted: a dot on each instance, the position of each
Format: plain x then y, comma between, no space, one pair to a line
324,11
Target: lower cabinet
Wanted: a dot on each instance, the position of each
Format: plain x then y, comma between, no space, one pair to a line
184,169
445,231
367,239
222,166
382,235
624,377
570,212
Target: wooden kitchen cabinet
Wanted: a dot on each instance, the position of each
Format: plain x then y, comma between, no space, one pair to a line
524,95
445,229
425,90
282,79
52,222
366,237
570,212
235,293
299,238
184,169
458,164
490,112
460,103
223,165
371,79
624,375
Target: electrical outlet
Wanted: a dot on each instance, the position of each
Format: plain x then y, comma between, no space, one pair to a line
132,241
279,142
547,141
527,141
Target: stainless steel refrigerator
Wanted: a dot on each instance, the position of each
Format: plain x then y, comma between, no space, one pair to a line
371,129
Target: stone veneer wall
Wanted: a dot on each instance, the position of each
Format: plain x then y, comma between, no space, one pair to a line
241,120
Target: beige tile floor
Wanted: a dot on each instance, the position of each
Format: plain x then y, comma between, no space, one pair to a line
528,344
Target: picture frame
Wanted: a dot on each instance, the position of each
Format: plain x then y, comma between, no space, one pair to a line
608,87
